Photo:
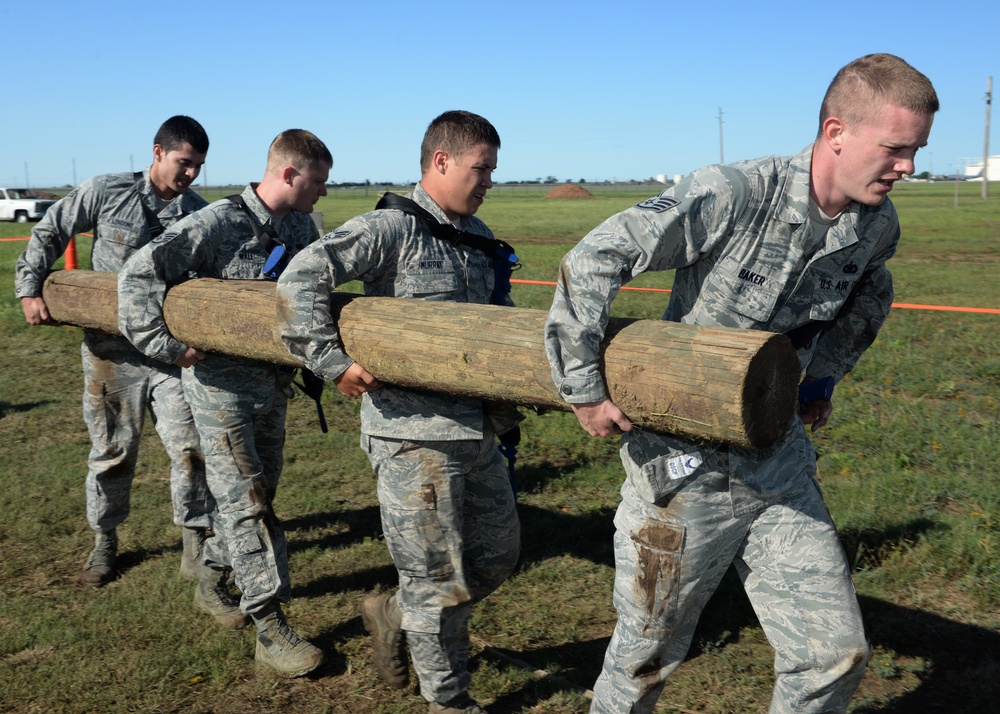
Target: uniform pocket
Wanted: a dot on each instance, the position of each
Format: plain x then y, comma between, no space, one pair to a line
647,585
657,466
99,415
827,301
247,266
409,503
416,539
429,277
247,551
242,457
123,232
744,290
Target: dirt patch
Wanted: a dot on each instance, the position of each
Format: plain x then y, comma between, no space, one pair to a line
569,190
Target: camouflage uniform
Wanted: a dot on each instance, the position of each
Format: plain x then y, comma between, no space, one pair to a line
120,384
748,254
239,406
447,507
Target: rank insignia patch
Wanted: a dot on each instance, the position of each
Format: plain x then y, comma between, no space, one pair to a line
658,204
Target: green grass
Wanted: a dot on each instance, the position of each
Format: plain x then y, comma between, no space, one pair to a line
908,466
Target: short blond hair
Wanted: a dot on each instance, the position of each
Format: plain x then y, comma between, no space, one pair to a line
299,148
861,89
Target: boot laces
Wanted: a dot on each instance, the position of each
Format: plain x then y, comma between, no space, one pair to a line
287,634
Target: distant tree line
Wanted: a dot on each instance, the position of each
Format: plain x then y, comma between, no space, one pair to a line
538,181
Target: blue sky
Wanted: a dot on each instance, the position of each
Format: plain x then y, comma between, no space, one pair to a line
593,90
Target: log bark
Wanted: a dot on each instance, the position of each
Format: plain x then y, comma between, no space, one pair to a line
704,383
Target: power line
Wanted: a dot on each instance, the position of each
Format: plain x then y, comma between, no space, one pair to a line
986,142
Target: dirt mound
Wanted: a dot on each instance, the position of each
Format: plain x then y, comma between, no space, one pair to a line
569,190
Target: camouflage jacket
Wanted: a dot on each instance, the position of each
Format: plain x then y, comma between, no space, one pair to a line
394,256
216,242
747,255
111,207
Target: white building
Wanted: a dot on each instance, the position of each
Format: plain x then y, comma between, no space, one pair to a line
974,172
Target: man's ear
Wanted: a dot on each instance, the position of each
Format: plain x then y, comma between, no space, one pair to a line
834,129
288,173
158,152
440,161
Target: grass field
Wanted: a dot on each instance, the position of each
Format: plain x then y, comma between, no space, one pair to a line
908,464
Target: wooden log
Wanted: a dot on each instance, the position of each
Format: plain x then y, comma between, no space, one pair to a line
714,384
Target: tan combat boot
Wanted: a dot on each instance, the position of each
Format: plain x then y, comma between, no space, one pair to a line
193,553
99,570
384,621
212,596
462,704
279,648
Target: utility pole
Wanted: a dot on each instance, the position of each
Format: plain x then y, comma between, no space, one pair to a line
986,143
74,172
722,160
27,182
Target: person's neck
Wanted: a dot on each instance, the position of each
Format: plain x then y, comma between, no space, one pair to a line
161,188
822,187
438,196
271,198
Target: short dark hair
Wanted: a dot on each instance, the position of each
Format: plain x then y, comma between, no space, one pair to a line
178,130
299,148
456,132
865,86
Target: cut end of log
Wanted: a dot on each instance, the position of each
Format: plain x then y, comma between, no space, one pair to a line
770,391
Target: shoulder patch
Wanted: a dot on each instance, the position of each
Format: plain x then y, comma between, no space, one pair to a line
658,204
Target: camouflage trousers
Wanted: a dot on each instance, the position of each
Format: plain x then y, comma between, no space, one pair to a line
450,522
120,385
240,414
768,518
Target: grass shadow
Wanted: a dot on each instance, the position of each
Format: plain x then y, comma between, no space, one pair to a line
536,477
576,673
361,523
953,654
382,577
546,534
126,560
8,408
331,639
867,547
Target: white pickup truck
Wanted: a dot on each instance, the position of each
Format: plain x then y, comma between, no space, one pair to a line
22,205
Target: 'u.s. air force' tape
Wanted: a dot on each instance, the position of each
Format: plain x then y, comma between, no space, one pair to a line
658,203
683,466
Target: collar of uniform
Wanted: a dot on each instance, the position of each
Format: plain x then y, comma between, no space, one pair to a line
157,205
146,185
144,188
794,200
258,208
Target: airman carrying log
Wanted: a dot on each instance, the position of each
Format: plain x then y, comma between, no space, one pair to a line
715,384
